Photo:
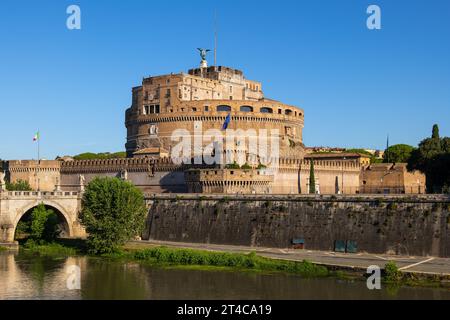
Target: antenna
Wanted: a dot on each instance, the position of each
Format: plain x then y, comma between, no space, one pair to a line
215,37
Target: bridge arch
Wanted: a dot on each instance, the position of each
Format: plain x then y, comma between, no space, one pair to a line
50,204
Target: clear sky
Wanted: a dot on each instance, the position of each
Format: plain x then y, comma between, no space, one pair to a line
355,85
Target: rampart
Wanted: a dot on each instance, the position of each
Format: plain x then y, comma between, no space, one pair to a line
406,225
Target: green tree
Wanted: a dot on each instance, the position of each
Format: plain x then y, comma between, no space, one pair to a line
19,185
433,158
435,134
44,224
399,153
113,212
102,155
373,159
312,178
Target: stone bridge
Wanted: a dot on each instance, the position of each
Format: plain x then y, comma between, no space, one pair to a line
15,204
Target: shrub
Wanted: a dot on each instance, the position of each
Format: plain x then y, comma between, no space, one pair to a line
19,185
392,274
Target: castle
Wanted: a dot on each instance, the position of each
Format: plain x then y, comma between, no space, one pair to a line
220,100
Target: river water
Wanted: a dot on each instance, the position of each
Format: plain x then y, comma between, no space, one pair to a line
25,276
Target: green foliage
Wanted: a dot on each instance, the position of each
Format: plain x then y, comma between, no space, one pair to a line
312,179
233,165
392,274
360,151
246,166
19,185
435,134
373,159
433,158
23,229
44,224
48,249
251,261
261,166
113,212
399,153
102,155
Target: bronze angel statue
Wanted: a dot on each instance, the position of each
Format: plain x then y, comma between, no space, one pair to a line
203,53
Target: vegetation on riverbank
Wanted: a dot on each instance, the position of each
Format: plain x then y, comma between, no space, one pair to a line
49,249
2,248
192,259
395,278
188,257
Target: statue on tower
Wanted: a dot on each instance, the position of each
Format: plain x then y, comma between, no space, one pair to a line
203,53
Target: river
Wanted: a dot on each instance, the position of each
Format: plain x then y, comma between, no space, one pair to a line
26,276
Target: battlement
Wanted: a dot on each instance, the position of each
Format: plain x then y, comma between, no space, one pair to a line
348,164
228,181
117,165
33,165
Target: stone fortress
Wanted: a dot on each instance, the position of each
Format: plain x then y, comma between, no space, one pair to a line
205,99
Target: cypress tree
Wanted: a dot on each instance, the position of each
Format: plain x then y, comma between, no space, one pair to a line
312,179
435,132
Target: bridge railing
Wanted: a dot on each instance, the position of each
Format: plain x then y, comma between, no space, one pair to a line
41,193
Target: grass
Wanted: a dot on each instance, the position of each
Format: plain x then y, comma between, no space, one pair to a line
49,249
3,249
199,259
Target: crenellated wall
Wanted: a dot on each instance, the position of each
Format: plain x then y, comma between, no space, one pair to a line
150,175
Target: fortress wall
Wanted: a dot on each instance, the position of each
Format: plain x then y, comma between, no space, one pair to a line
45,174
395,225
151,176
161,182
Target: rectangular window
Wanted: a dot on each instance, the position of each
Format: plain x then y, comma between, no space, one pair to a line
206,108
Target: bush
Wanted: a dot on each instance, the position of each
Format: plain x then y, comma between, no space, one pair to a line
113,212
19,185
392,274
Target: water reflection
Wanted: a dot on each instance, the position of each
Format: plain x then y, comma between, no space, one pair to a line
32,277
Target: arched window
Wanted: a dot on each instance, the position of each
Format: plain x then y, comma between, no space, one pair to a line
266,110
223,109
246,109
288,112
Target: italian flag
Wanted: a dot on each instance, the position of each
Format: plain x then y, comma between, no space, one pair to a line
37,136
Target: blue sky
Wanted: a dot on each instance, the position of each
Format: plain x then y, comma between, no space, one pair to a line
355,85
